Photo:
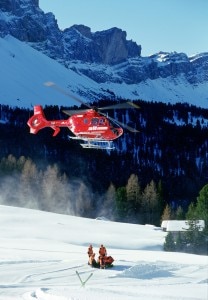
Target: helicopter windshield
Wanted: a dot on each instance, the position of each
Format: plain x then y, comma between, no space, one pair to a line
113,125
98,121
114,128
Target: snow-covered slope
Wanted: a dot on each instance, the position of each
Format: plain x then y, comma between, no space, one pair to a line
24,71
102,64
40,253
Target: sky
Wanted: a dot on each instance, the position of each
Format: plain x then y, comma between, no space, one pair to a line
40,253
156,25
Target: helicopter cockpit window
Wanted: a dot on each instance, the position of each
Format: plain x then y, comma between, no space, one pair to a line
95,121
102,121
114,129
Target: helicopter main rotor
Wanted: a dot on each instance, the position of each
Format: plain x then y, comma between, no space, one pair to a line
123,105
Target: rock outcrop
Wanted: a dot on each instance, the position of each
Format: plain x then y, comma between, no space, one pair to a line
104,56
24,20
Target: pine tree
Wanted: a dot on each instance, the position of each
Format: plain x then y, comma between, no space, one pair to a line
133,196
195,236
121,203
150,205
179,215
169,244
179,245
166,213
21,162
161,202
191,213
202,207
82,200
54,193
29,183
8,165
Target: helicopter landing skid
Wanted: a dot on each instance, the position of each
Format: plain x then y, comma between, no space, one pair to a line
105,145
94,143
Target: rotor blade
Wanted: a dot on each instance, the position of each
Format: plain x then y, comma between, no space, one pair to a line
62,91
125,105
71,112
129,128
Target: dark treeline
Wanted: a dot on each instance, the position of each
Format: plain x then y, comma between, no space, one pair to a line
160,173
26,184
170,148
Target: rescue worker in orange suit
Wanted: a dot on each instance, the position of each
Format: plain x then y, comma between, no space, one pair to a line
90,250
92,261
102,251
102,254
102,262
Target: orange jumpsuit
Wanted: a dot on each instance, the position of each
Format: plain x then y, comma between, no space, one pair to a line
90,250
102,251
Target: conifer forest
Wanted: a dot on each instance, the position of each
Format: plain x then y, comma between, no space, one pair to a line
165,163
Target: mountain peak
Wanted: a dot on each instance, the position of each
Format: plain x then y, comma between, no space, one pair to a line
14,6
29,23
107,58
84,30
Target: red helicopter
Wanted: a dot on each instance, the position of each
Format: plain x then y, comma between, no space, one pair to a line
94,128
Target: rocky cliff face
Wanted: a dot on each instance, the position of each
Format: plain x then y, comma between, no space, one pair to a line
24,20
173,66
16,7
105,56
106,47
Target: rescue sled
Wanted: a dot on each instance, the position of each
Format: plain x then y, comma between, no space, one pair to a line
108,262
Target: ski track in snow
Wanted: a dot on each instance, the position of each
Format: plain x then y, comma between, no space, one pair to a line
46,273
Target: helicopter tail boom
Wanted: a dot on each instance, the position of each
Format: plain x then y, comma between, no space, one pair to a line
38,121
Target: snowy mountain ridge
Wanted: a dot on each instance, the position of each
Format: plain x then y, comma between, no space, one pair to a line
104,64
